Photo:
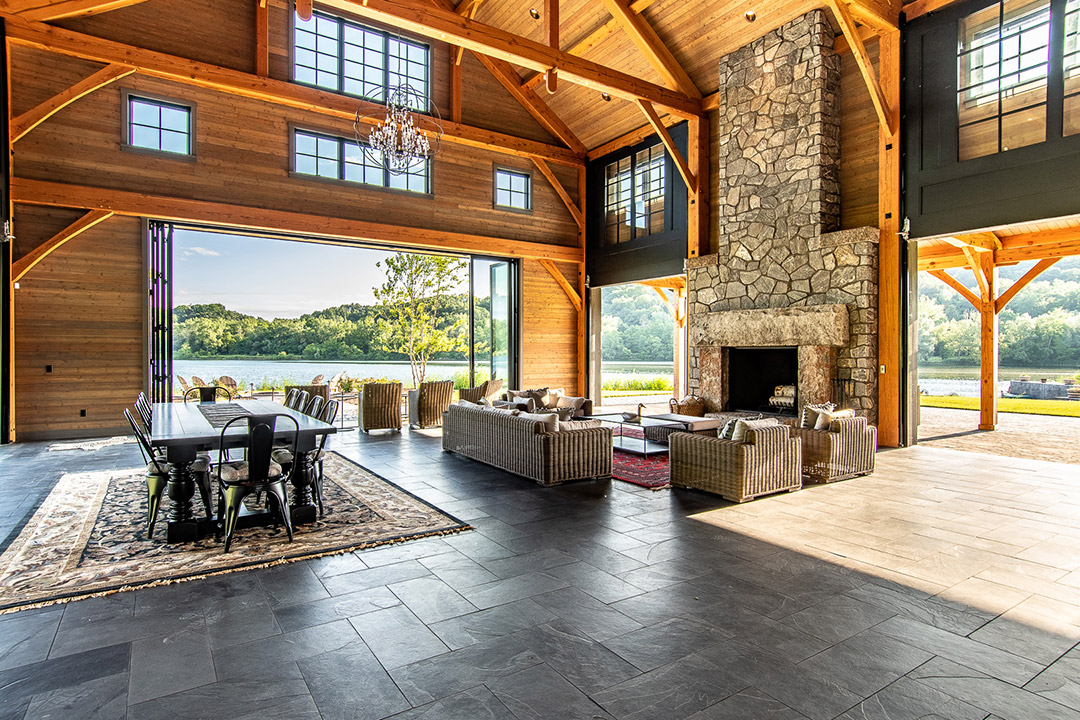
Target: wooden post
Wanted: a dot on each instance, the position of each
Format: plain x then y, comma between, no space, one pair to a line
890,363
262,38
697,234
988,351
455,89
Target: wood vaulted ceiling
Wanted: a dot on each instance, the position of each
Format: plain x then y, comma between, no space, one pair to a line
697,32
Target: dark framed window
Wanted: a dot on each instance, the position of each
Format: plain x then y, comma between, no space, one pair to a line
152,123
1071,110
1003,65
337,158
513,189
634,193
335,54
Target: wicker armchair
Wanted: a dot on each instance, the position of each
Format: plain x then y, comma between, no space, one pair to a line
428,402
844,451
380,406
488,389
690,405
770,461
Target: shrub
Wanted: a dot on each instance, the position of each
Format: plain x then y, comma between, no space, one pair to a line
638,382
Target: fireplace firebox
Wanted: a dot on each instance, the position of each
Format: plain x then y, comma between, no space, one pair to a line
755,373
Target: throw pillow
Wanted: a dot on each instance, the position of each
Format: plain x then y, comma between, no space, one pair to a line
840,414
466,403
538,396
574,403
578,424
552,398
728,430
484,400
810,413
742,426
562,413
549,422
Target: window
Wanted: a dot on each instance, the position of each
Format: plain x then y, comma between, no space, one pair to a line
1071,114
336,158
1003,53
153,124
332,53
513,189
634,195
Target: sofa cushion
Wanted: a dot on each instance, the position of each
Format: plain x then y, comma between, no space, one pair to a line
549,421
562,413
578,424
574,403
742,426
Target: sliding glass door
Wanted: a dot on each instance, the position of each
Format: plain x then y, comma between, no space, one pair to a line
494,321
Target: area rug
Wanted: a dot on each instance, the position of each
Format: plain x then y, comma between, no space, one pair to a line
651,472
88,536
92,444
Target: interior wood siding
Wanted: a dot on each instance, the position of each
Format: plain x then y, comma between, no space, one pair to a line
548,329
858,145
80,311
243,157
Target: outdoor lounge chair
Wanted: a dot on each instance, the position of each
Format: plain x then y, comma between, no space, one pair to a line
845,450
769,461
380,406
428,403
488,389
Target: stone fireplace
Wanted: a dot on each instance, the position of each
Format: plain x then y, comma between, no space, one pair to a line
780,278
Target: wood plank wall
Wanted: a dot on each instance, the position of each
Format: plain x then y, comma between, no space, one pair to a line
81,312
858,146
80,309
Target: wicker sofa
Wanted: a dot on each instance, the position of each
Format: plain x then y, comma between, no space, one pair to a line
845,450
523,446
769,461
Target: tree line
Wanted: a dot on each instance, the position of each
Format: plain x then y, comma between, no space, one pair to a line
1040,327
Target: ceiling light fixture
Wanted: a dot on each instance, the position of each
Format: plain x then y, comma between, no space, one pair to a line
534,13
750,16
607,98
399,136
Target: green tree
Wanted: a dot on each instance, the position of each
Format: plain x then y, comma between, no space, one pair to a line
416,308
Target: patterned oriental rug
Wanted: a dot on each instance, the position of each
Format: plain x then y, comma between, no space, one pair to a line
651,472
88,536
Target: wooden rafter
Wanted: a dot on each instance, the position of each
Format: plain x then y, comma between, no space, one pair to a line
975,265
551,35
455,91
262,38
986,241
847,24
467,9
304,9
30,119
918,8
665,137
49,10
23,265
1014,249
134,204
592,38
672,306
575,211
190,72
1005,297
571,293
420,18
643,35
958,287
883,16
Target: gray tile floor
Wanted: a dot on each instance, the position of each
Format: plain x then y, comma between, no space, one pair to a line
947,585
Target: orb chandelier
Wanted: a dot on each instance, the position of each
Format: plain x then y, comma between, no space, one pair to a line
399,136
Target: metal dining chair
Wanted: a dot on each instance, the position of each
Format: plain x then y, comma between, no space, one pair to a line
285,457
258,473
207,393
145,411
290,399
314,406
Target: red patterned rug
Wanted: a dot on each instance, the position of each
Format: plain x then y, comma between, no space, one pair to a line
650,472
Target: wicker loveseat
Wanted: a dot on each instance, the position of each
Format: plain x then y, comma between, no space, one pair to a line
769,461
845,450
523,446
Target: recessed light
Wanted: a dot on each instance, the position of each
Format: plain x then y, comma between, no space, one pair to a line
750,16
607,98
534,13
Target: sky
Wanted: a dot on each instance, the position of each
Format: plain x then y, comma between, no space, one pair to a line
271,278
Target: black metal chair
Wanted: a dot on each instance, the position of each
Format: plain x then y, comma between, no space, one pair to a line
285,457
145,411
301,401
314,406
259,472
157,475
291,398
207,393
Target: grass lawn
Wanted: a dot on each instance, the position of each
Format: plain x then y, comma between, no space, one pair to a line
634,393
1064,408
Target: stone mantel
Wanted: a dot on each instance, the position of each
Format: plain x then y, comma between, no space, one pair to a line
771,327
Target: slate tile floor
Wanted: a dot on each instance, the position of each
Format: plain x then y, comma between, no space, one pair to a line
947,585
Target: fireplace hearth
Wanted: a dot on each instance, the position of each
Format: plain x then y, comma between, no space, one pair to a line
754,375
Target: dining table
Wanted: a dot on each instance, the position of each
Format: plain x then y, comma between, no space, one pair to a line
183,430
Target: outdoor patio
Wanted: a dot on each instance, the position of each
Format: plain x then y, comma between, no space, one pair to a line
944,585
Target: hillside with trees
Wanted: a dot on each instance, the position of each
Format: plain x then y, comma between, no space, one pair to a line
637,325
1039,328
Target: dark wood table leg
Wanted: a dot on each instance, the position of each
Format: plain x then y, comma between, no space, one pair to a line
303,475
181,489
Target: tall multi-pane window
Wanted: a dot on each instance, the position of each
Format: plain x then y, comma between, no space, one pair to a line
332,53
1071,114
154,124
337,158
1003,53
513,189
634,190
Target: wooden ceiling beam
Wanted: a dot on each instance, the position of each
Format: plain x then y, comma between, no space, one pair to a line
844,18
571,293
191,72
983,241
592,39
650,45
1020,284
959,287
135,204
976,266
575,211
30,119
1064,242
918,8
665,137
304,8
419,17
49,10
882,16
23,265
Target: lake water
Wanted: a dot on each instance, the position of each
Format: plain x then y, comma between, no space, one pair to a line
246,372
951,386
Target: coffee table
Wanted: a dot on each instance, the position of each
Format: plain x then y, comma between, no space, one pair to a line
630,443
